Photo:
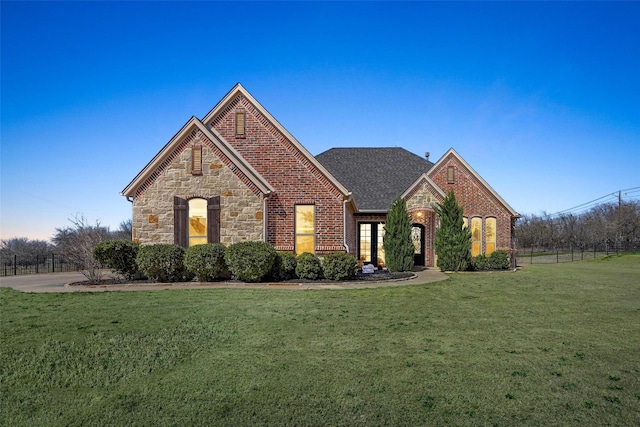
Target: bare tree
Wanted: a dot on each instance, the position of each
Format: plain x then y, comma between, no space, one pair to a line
76,243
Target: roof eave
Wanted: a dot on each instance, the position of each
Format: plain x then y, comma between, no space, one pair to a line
235,157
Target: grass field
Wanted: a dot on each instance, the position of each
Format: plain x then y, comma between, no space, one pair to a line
547,345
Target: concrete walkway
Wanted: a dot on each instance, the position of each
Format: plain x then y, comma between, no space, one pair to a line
60,282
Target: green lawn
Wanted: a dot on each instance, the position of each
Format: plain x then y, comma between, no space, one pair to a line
548,345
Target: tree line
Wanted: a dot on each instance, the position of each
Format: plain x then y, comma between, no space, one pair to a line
608,226
70,242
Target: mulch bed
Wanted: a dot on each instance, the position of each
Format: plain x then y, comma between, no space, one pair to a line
373,277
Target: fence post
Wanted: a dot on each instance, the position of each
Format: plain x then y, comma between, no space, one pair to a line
53,263
15,264
37,263
557,256
531,255
571,246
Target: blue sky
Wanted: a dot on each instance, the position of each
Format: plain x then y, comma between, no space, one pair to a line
542,99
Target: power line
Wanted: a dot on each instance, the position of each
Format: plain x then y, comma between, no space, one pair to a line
599,201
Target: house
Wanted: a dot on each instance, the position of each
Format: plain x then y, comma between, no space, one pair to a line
238,174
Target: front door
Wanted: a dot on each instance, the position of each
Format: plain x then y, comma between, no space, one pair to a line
371,243
417,236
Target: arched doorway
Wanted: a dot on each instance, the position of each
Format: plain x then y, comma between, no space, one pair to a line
417,236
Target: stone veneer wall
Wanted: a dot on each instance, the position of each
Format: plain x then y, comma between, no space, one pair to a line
420,204
241,209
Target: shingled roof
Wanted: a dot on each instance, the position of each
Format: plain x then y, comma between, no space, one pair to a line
375,176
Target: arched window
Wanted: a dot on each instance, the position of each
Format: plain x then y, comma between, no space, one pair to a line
476,236
490,235
197,222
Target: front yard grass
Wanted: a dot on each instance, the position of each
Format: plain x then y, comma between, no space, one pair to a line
548,345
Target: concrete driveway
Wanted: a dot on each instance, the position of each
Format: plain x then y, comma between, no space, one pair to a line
56,282
52,282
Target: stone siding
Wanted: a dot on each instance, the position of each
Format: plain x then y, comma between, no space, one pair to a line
241,206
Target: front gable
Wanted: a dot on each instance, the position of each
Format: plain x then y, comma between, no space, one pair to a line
423,194
197,164
266,144
473,193
194,133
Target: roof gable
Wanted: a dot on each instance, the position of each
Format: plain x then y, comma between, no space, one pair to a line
237,90
375,176
165,154
424,180
463,163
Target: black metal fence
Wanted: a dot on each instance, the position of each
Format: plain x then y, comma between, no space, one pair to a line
14,265
541,255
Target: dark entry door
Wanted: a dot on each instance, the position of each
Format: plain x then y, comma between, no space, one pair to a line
417,235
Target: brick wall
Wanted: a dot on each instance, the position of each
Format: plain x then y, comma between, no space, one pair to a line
294,178
475,199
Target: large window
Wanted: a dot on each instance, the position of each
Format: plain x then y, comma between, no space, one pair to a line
197,222
490,235
381,245
476,236
305,239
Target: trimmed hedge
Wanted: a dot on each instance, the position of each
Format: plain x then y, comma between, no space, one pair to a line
250,261
284,266
120,256
309,267
498,260
339,266
206,261
163,263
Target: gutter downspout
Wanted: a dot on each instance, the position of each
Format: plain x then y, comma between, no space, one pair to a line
264,216
344,222
130,200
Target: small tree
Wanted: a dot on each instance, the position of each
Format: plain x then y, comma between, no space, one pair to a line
398,246
76,244
453,240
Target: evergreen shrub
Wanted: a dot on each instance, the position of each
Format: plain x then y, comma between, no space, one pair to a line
398,246
339,266
163,262
284,266
453,240
480,263
309,267
120,256
499,260
206,261
250,261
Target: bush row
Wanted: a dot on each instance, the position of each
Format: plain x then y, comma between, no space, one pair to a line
498,260
246,261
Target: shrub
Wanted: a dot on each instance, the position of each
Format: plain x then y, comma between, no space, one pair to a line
453,241
398,246
309,266
499,260
284,266
206,261
339,266
120,256
480,263
250,261
162,262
